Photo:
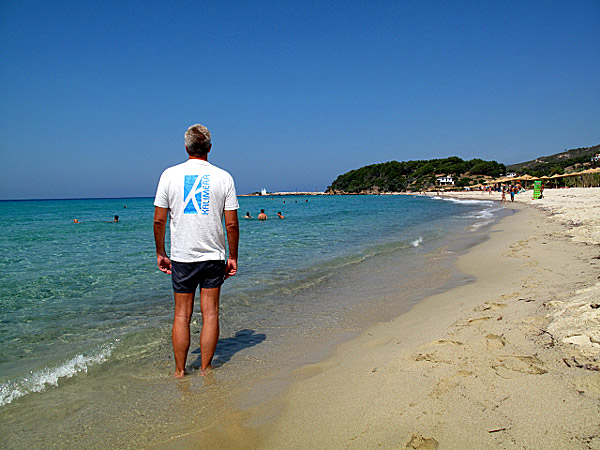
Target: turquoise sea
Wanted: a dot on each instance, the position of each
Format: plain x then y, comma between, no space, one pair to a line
85,314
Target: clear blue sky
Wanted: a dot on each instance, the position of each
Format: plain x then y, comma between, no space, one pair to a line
95,95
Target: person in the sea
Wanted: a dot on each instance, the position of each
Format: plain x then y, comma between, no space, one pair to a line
116,219
248,216
262,215
195,196
280,215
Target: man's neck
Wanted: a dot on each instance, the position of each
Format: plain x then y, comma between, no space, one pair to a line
201,158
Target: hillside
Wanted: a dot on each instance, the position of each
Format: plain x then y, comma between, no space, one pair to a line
549,165
394,176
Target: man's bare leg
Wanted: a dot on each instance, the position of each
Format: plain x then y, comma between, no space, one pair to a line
209,306
184,306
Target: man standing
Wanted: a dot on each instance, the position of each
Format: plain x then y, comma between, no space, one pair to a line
196,195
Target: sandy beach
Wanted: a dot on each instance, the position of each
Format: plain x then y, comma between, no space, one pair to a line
510,360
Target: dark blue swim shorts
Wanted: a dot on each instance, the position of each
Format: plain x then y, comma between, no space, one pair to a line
186,277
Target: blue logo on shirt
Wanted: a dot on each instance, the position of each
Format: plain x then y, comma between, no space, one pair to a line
196,194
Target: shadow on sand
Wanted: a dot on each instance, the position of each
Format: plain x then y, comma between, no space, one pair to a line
228,347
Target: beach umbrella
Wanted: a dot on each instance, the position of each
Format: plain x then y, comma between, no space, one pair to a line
545,178
596,172
587,176
564,175
574,175
525,177
555,177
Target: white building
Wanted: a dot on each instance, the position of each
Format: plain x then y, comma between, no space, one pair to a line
444,180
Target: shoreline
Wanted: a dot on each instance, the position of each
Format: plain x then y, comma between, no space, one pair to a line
497,363
302,321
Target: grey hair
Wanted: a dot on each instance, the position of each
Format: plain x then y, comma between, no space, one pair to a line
197,139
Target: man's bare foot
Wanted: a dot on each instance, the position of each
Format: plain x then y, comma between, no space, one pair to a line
179,373
206,371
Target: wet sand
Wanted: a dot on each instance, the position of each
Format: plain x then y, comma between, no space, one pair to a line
509,360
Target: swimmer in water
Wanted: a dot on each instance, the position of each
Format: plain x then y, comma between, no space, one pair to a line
248,216
280,215
262,215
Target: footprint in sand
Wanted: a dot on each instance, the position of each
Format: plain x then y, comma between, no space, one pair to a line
489,306
447,342
433,356
474,321
450,383
495,342
511,366
418,442
515,250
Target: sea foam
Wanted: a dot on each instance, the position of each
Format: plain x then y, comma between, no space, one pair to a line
417,242
464,201
49,376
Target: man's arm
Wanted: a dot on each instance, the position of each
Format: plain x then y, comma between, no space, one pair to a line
160,226
233,238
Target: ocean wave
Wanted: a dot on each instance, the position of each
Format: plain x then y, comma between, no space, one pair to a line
49,376
485,217
463,201
417,242
482,214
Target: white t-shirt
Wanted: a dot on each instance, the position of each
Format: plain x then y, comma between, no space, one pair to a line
196,194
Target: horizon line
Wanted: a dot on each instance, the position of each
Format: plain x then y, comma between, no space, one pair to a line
250,194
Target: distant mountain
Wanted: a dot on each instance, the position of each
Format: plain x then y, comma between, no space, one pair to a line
549,165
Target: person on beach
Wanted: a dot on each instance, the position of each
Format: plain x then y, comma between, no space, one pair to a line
195,196
262,215
281,216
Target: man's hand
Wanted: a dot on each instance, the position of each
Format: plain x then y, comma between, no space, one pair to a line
160,225
164,264
230,267
233,237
